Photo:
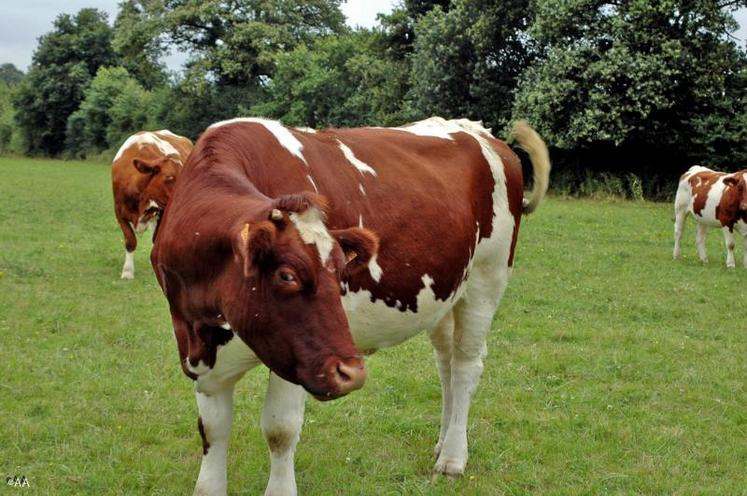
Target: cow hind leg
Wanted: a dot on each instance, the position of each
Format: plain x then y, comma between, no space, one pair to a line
473,315
729,242
214,423
680,213
282,419
700,235
442,340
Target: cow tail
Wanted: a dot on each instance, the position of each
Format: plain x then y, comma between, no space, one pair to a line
528,140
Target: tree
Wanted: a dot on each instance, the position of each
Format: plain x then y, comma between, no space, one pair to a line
466,62
62,68
636,84
114,106
237,42
10,74
139,45
399,25
344,80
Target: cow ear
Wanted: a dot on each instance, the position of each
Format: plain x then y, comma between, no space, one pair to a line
252,243
730,181
359,245
146,167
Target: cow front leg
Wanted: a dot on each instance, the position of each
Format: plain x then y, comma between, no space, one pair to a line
128,268
472,318
214,424
700,235
729,242
282,419
442,340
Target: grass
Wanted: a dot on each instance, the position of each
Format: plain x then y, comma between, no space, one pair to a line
612,369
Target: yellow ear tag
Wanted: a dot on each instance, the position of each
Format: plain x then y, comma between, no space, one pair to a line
245,233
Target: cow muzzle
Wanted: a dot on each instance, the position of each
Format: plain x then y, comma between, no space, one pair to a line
343,376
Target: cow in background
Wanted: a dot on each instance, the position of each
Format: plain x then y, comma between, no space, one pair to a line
304,249
714,199
143,175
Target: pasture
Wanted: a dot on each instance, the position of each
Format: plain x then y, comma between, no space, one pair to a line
611,368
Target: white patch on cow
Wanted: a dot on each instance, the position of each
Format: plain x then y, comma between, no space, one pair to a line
199,369
128,269
306,130
311,180
226,326
216,416
281,133
707,216
310,225
373,266
168,133
376,325
282,420
232,360
147,138
355,161
360,187
360,220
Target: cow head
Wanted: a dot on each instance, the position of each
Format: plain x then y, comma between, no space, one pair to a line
736,183
162,173
288,306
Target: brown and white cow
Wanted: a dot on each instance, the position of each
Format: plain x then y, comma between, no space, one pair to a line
297,249
143,175
714,199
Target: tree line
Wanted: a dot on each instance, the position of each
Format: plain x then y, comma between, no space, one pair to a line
628,88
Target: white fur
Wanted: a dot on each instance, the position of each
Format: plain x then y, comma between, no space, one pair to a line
373,266
310,225
216,412
355,161
147,138
128,269
282,417
281,133
311,180
361,188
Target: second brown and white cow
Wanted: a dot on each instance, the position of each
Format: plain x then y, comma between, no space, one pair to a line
144,172
714,199
304,250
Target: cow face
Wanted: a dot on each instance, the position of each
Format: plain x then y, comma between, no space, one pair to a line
162,173
288,308
736,184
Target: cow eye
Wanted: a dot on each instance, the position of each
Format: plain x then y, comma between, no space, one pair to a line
287,279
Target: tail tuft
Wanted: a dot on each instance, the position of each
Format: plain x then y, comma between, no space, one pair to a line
528,140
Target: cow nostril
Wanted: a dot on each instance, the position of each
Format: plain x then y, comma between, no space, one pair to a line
350,377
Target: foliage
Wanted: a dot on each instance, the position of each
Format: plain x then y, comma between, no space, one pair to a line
475,73
6,116
138,44
10,74
399,25
593,383
345,80
63,66
629,84
115,105
236,43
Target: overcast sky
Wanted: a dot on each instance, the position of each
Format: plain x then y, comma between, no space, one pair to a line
23,21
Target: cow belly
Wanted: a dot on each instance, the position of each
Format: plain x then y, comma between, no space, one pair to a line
375,325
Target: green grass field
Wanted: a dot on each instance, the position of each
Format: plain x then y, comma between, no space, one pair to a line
611,368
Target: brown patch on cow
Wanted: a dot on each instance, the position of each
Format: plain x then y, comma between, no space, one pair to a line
700,185
205,443
279,441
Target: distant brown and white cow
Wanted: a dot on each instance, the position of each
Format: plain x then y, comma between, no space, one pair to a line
301,250
143,175
714,199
